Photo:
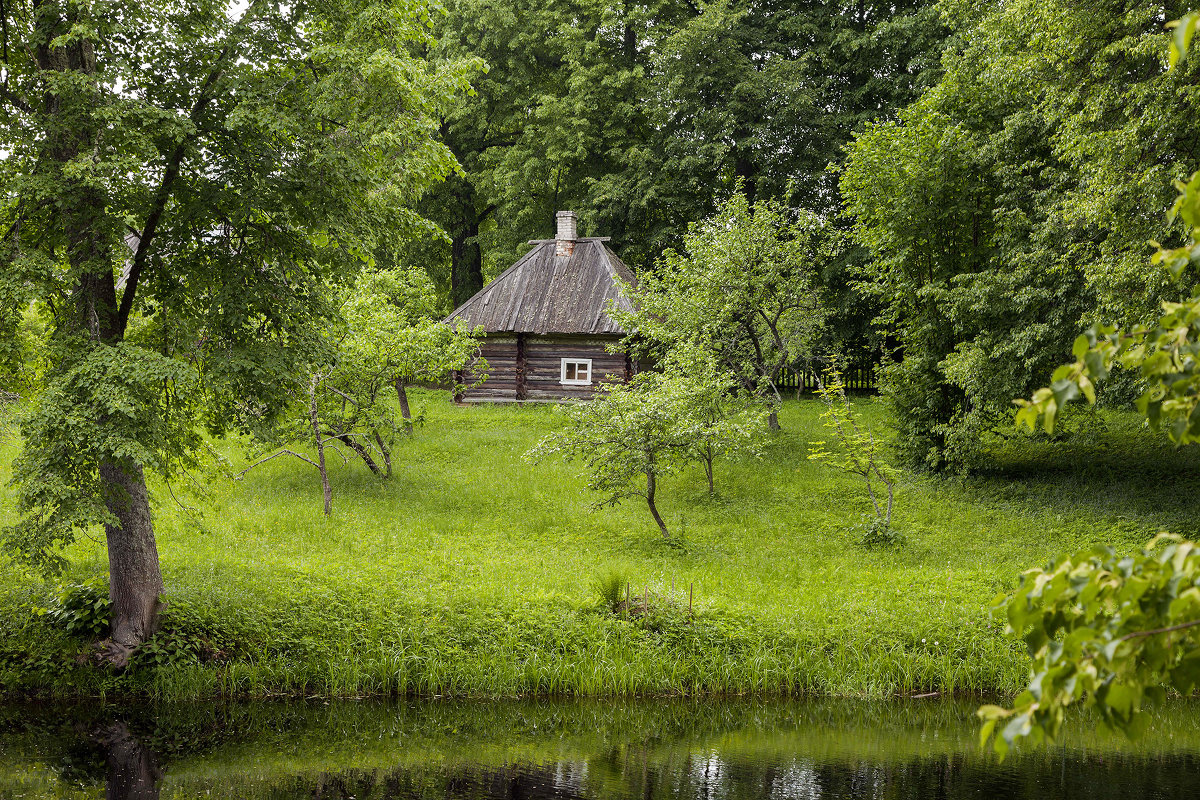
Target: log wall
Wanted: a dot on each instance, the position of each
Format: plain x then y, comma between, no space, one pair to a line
531,368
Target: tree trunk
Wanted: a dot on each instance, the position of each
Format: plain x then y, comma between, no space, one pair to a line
362,452
466,257
773,420
650,487
405,412
134,581
314,418
387,455
708,471
133,772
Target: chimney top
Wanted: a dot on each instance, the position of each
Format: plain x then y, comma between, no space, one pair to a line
566,226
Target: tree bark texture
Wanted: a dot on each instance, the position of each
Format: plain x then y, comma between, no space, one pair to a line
319,440
405,411
363,453
650,488
387,455
135,582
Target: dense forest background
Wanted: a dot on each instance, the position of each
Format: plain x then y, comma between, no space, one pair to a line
1000,171
992,177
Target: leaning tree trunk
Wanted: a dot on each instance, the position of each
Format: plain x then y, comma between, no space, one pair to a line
387,454
650,488
363,453
135,583
405,411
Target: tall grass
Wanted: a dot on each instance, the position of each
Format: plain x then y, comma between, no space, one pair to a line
472,572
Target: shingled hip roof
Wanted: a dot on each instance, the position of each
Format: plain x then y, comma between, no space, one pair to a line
549,293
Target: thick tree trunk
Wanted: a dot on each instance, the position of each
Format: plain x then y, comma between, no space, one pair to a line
405,411
134,581
133,772
650,489
315,420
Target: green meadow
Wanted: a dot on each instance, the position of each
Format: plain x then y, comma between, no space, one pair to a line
472,572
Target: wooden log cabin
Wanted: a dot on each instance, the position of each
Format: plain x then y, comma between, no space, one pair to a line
546,322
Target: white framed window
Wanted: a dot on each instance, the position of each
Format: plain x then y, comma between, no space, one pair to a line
576,371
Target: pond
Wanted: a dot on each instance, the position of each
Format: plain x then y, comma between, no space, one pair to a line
581,749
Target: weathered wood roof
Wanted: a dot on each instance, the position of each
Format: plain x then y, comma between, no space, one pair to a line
548,293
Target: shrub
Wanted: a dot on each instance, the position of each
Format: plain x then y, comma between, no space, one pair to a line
82,609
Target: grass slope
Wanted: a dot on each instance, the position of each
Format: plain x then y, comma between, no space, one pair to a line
472,572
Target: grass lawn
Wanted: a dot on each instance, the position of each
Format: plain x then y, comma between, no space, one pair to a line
472,572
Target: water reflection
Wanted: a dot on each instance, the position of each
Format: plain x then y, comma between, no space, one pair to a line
750,750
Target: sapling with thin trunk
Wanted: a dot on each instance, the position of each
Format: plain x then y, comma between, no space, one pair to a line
627,438
384,336
858,453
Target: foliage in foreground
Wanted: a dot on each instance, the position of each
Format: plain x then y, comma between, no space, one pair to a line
1113,631
1110,631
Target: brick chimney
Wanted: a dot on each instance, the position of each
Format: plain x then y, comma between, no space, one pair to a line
564,239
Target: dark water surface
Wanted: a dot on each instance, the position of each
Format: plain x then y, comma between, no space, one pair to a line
513,749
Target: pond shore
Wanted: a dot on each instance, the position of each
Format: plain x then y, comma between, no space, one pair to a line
475,573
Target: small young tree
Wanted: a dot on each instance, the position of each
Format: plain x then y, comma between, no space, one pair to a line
395,339
627,438
743,291
858,453
384,339
717,417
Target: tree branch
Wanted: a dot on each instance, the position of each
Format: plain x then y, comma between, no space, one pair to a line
170,174
274,455
1169,629
15,101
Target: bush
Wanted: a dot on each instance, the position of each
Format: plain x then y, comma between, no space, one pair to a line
82,609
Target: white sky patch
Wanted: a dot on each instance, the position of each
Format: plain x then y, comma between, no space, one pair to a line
236,8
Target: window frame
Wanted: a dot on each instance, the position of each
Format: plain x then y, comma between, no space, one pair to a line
562,372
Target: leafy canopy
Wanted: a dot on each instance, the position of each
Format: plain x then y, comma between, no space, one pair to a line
181,189
1108,630
742,295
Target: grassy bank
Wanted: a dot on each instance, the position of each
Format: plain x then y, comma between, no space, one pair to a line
472,572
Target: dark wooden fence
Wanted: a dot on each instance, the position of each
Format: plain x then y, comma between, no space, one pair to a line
857,377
